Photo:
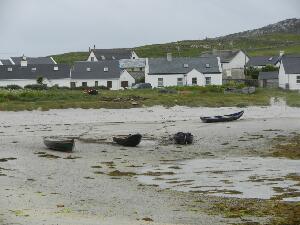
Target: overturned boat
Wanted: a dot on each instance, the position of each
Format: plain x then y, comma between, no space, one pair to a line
225,118
181,138
128,140
62,144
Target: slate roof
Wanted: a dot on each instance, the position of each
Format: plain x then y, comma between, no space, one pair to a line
46,71
268,75
263,60
225,55
291,64
80,70
36,60
137,75
111,54
5,61
176,66
132,63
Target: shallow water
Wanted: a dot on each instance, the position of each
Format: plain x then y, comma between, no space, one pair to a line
249,177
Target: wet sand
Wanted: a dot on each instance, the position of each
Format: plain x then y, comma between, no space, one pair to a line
80,189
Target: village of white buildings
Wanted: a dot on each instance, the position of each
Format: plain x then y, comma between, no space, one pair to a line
122,68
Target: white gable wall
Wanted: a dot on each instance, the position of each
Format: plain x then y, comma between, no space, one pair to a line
239,61
90,57
290,79
125,76
195,74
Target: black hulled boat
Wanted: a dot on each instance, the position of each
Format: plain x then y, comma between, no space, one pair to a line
225,118
128,140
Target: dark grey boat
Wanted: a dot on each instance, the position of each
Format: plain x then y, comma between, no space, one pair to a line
59,143
128,140
225,118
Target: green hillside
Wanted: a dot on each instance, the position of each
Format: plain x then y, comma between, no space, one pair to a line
269,44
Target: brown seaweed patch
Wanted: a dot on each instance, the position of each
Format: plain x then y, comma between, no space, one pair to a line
118,173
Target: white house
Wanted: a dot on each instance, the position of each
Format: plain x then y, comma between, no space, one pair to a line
111,54
289,73
233,62
202,71
22,75
259,62
102,73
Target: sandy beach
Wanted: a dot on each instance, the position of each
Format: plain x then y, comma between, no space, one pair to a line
80,188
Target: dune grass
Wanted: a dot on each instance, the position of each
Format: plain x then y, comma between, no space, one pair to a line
16,100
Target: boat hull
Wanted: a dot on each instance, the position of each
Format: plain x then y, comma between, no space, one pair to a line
183,138
128,141
225,118
59,145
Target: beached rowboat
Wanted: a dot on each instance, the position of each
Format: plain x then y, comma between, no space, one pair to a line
128,140
225,118
59,143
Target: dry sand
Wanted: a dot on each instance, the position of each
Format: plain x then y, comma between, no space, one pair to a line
33,189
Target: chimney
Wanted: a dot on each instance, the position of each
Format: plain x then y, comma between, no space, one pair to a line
281,53
169,57
89,49
94,47
24,61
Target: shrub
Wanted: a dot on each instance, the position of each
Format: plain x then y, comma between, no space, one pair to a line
13,87
36,87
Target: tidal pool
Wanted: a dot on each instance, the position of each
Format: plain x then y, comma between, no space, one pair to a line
248,177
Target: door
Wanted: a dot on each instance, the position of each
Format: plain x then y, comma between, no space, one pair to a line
124,84
264,83
109,84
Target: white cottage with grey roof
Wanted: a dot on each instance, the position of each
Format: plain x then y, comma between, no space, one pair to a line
201,71
102,73
24,74
289,72
233,62
111,54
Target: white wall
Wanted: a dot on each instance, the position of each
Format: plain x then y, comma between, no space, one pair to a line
92,55
91,83
239,61
171,79
125,76
22,83
134,55
290,79
195,74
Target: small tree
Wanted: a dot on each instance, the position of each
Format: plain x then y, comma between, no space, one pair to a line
269,68
39,80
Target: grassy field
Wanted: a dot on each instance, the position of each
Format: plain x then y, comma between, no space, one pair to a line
16,100
269,44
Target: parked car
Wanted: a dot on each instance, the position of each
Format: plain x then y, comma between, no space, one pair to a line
142,86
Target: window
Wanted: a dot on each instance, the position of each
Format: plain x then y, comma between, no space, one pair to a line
73,85
102,57
298,80
208,80
160,82
92,59
179,81
186,65
88,69
109,84
105,69
141,69
84,84
96,83
124,84
55,68
9,69
33,69
207,65
194,81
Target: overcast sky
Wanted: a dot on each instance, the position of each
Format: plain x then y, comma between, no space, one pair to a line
45,27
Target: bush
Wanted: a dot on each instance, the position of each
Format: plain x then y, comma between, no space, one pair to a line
13,87
36,87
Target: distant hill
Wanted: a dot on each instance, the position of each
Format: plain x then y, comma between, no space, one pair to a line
268,40
289,26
